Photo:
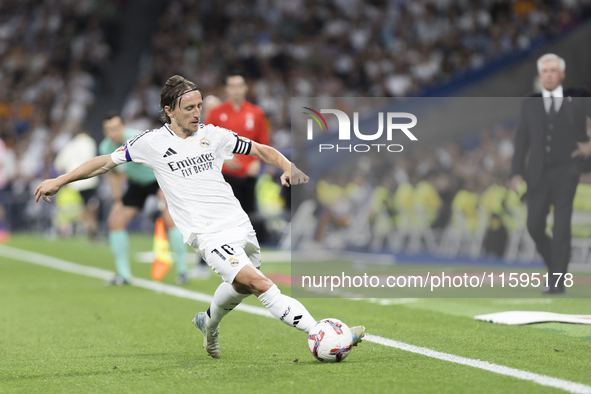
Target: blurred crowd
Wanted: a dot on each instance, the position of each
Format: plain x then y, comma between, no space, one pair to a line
454,199
54,54
338,48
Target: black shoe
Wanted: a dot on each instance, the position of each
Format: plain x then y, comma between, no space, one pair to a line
117,281
553,290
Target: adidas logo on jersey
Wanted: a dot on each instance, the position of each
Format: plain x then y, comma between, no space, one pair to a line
169,152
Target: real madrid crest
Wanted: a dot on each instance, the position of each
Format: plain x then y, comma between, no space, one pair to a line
233,261
204,142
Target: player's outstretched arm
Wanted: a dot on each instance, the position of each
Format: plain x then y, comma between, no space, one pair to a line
98,165
291,174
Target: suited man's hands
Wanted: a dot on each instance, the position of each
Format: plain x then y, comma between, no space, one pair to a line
516,181
583,150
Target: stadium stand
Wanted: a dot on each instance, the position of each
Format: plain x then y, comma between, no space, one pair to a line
343,48
53,54
56,53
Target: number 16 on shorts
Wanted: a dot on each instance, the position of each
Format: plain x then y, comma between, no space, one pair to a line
226,248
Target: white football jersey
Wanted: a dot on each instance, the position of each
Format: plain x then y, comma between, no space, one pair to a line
189,172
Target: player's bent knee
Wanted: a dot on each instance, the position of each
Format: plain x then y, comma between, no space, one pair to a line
114,222
241,289
261,286
252,281
120,217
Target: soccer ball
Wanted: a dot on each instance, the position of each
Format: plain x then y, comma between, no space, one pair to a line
330,340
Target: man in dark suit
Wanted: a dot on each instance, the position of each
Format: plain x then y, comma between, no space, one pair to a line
553,130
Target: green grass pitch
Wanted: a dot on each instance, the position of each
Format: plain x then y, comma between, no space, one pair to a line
68,333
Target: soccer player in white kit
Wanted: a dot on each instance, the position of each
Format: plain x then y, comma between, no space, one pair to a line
187,157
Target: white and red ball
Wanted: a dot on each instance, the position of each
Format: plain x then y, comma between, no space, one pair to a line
330,340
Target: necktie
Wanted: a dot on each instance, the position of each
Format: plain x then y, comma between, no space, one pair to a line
551,110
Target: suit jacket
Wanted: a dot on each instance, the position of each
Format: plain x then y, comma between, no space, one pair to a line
570,121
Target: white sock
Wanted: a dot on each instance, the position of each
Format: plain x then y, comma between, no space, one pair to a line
288,310
225,299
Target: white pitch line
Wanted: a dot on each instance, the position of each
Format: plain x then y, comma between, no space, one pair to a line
66,266
500,369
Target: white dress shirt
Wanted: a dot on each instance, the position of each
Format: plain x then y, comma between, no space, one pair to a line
557,95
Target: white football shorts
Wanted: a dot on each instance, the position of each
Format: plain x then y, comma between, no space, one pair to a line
228,251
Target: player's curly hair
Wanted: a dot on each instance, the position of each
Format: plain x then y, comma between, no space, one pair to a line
173,89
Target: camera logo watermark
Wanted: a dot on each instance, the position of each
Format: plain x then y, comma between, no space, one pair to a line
344,123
